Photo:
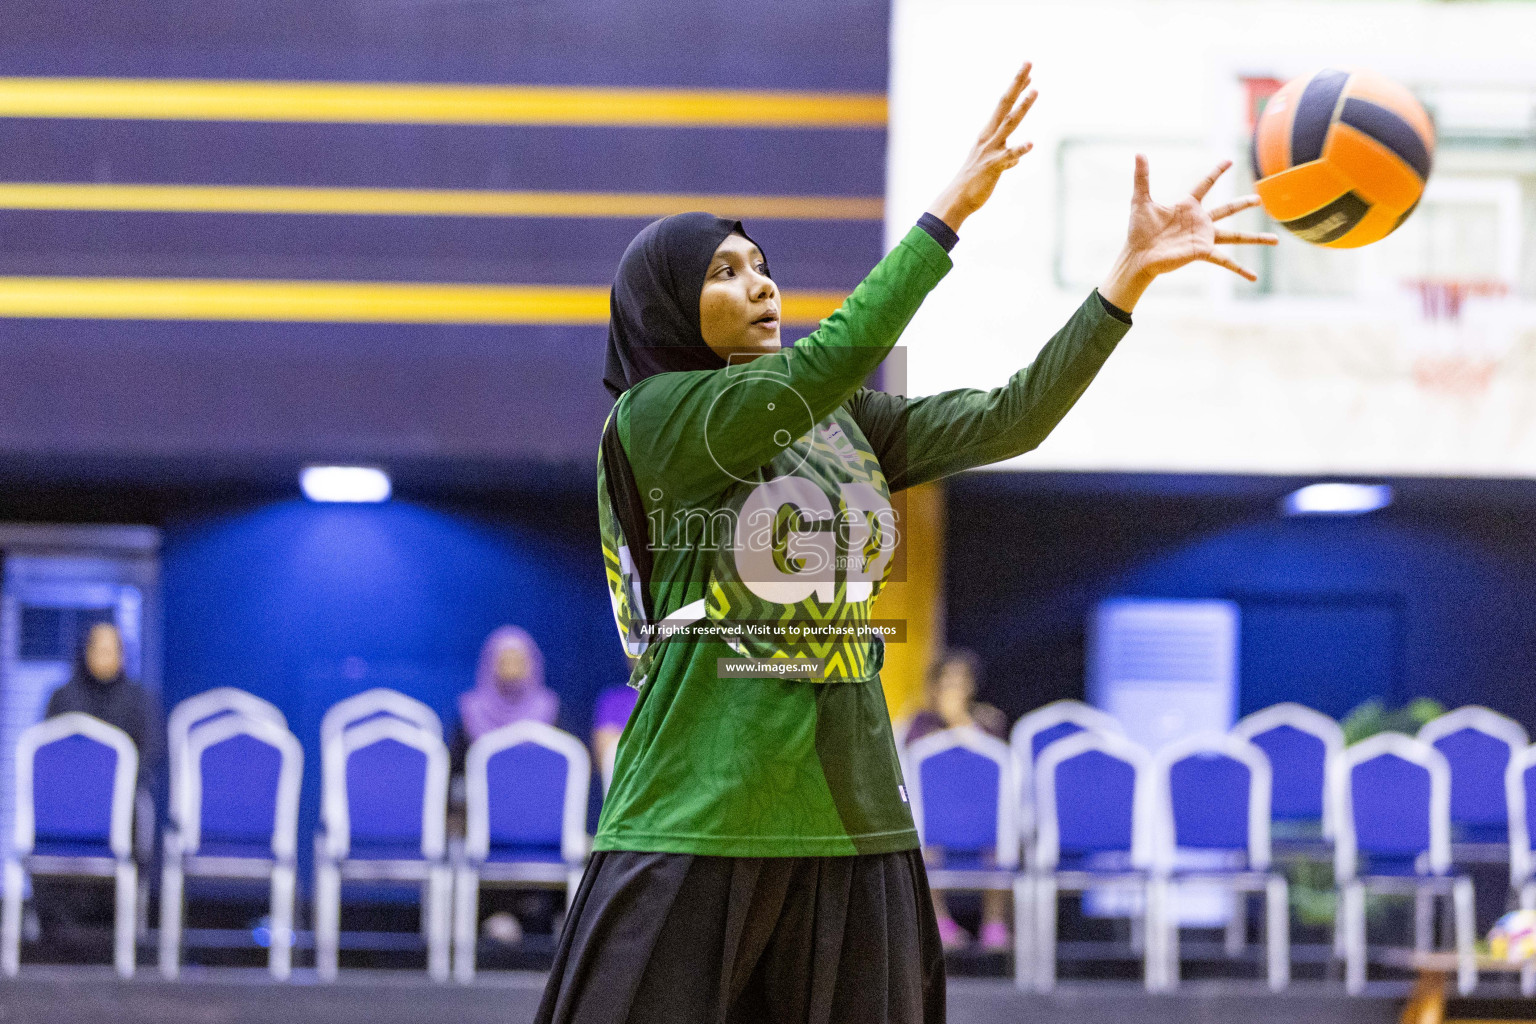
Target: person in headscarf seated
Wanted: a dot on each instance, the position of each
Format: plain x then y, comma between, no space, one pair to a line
949,701
73,913
509,687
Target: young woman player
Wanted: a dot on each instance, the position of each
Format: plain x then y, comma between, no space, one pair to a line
756,858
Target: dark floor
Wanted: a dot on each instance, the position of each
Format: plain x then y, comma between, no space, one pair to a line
62,995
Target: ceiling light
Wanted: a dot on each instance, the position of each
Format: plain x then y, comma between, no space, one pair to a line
1337,499
344,483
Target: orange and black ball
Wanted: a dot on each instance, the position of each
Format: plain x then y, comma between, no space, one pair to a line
1341,157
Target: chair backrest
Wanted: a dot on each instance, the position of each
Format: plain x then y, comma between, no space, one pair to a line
1478,743
241,784
1300,743
385,782
204,707
75,782
1040,728
1213,793
1520,791
526,785
376,703
963,792
1093,795
1392,793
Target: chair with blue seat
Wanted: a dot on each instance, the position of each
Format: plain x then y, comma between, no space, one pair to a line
1478,744
1037,730
75,782
1300,744
526,789
199,709
1213,803
239,789
1520,791
384,799
965,804
1392,794
1094,803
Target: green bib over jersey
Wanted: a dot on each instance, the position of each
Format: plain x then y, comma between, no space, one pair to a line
758,496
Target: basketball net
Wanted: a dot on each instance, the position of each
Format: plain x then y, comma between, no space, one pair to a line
1454,356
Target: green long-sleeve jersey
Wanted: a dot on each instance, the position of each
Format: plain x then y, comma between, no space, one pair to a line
765,489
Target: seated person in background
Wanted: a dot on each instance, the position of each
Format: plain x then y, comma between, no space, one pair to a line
72,912
608,720
509,687
949,700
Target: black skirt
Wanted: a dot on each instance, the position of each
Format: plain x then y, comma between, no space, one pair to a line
683,939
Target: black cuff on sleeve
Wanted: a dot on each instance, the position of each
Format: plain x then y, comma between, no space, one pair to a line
939,231
1112,309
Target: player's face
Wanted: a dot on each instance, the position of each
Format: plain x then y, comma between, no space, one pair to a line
739,303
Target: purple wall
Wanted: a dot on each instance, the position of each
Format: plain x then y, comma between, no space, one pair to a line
139,395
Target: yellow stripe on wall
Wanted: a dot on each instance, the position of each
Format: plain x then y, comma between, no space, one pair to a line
415,103
400,202
121,298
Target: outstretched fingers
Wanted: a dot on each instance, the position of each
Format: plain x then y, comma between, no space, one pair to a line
1223,260
1246,238
1206,182
1014,155
1141,192
999,138
1005,105
1237,205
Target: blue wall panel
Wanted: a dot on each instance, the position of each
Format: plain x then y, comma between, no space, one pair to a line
305,604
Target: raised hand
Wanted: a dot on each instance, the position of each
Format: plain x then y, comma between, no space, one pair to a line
1164,238
989,158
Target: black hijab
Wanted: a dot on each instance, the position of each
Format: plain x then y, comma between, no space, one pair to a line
653,318
653,327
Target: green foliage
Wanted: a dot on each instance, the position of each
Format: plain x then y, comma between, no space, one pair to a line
1373,717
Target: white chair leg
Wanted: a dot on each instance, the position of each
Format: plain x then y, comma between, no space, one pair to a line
466,912
1023,932
327,919
1045,932
1352,907
1236,938
171,910
1277,926
1340,945
1172,959
1152,932
439,920
280,953
1423,921
125,919
10,919
1528,972
1466,929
